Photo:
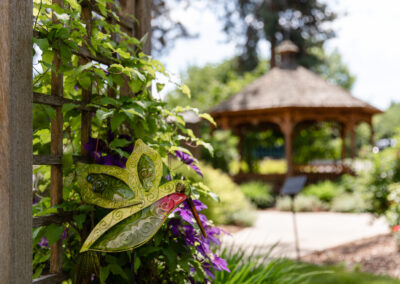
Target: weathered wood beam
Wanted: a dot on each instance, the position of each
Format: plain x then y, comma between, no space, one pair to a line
56,159
51,219
16,141
49,100
56,149
86,120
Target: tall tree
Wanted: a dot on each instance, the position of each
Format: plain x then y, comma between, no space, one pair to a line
302,21
166,29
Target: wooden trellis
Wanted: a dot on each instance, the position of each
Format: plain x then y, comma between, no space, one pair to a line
16,161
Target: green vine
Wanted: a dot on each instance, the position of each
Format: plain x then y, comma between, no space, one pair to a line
116,116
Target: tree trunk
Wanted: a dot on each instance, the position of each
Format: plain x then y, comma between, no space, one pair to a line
273,46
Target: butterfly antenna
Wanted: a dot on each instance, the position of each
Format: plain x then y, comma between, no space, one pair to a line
196,216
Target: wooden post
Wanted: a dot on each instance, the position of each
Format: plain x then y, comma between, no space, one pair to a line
143,25
343,132
353,140
56,148
86,120
239,134
141,10
16,141
287,129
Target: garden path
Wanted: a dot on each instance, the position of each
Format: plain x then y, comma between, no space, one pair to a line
317,231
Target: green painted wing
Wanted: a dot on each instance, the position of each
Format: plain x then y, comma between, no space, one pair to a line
137,229
135,195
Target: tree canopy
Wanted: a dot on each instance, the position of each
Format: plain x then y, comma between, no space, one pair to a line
303,22
387,123
214,83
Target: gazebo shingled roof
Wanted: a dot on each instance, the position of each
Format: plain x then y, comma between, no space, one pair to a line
289,94
282,88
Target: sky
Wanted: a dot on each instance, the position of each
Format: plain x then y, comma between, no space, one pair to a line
368,38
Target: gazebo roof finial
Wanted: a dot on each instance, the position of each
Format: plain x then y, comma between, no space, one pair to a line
287,51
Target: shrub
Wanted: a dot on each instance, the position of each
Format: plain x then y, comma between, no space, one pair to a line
258,193
234,208
324,191
302,203
272,166
349,202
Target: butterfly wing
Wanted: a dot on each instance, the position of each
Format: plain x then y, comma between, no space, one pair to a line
107,186
120,215
135,230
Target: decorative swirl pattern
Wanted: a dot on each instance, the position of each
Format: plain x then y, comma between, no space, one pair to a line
141,204
138,228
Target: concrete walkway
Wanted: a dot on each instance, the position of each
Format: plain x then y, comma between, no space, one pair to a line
317,231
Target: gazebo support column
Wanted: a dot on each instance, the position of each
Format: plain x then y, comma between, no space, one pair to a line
239,134
353,140
287,129
343,132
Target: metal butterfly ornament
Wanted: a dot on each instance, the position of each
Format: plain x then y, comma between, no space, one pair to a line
141,205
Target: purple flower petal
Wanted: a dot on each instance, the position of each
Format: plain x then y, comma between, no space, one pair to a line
35,200
184,157
196,169
44,243
197,204
207,269
219,263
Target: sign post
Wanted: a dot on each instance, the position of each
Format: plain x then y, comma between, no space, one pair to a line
293,186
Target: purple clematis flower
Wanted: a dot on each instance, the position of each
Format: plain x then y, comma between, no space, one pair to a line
44,243
103,155
184,226
185,158
35,200
64,235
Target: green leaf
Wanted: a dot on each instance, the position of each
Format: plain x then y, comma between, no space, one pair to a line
124,54
51,112
84,67
185,89
208,146
209,118
132,112
43,43
104,273
84,80
101,114
62,17
137,262
172,258
117,120
67,162
119,143
79,220
53,233
65,52
117,270
160,87
74,4
69,106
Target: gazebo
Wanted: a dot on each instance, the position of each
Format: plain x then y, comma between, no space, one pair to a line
288,95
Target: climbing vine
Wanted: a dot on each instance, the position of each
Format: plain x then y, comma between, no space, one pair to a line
123,110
